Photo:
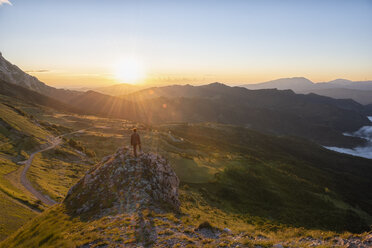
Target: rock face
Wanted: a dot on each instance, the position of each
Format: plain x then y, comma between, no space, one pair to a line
122,183
13,74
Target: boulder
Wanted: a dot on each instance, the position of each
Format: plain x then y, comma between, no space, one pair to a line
122,183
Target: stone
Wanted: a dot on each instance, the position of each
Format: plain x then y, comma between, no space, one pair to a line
278,246
148,182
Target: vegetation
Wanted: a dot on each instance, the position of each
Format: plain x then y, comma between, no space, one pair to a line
283,180
15,204
54,172
20,123
230,176
13,215
22,133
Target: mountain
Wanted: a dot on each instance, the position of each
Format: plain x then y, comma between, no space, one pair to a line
360,96
295,84
12,74
360,91
119,89
280,112
311,116
347,84
174,91
33,97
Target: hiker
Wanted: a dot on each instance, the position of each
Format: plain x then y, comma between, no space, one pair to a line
135,141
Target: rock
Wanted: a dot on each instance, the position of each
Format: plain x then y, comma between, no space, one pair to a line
124,184
227,230
278,246
207,230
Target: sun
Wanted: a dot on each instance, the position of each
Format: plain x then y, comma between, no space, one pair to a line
130,71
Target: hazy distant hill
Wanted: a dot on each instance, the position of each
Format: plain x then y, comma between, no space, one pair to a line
347,84
295,84
12,74
119,89
361,96
173,91
360,91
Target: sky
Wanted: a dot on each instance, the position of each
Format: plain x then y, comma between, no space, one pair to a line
92,43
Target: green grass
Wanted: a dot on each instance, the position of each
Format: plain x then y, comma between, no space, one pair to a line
8,188
233,177
281,180
22,123
13,216
53,172
13,213
55,228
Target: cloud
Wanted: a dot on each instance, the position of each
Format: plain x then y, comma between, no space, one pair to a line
362,151
365,152
37,71
5,2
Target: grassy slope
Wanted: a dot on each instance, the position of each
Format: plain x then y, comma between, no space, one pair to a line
284,180
8,188
13,216
280,180
55,228
13,213
55,172
21,123
19,134
263,183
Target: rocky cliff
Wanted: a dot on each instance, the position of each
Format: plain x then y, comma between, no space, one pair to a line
122,183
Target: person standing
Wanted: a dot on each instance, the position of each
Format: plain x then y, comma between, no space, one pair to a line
135,141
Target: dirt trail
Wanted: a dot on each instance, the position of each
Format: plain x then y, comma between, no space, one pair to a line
26,183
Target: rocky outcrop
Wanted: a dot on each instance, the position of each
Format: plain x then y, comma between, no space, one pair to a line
122,183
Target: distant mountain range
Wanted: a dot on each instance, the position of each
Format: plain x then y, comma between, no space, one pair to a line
360,91
119,89
318,118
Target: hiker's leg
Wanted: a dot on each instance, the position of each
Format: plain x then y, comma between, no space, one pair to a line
135,150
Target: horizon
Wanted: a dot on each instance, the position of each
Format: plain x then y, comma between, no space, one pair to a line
187,43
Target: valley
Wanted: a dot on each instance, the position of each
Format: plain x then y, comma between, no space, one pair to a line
209,158
185,124
260,172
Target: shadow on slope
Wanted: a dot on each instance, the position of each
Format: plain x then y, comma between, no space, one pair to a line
284,180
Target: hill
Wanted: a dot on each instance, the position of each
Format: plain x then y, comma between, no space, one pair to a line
23,130
360,96
271,190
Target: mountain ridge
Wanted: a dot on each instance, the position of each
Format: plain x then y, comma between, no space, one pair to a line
13,74
343,88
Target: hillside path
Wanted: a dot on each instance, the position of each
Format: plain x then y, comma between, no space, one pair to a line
26,183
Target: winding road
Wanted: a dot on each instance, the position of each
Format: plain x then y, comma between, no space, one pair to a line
26,183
